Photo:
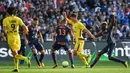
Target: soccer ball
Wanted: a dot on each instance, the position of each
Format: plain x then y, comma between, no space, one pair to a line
65,64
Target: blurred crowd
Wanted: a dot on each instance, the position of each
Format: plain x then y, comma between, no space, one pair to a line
90,12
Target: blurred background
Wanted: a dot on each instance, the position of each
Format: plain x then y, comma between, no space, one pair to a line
90,12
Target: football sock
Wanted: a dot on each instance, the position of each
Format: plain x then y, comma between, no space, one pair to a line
16,63
20,57
23,53
71,58
30,54
82,58
22,61
41,57
84,55
35,56
116,60
95,61
54,57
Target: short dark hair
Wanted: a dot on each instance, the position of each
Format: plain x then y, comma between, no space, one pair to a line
35,18
11,10
103,26
73,15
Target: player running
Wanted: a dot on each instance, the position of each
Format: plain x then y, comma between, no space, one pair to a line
61,40
11,27
23,44
33,37
78,29
109,31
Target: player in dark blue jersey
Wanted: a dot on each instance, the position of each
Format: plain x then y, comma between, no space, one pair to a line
108,30
23,44
61,40
34,35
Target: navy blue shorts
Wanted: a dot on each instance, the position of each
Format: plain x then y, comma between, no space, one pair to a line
23,48
57,45
36,44
108,49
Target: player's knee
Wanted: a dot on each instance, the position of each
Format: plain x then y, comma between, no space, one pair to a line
42,52
100,53
52,50
19,52
34,54
16,56
69,51
14,53
34,50
75,52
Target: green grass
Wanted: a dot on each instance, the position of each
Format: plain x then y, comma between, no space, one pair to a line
100,67
78,69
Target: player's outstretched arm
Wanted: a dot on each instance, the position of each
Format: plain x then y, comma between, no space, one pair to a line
99,34
65,16
26,40
25,29
72,36
40,37
112,21
89,33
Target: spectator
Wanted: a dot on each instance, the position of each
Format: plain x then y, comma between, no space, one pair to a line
90,12
125,19
2,36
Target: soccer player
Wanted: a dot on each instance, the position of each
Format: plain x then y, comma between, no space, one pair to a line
10,26
78,29
60,40
33,37
109,31
24,42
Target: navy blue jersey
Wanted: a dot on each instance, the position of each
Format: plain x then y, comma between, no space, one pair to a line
21,33
110,34
22,36
33,33
62,31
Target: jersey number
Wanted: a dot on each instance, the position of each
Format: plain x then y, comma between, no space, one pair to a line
13,27
62,32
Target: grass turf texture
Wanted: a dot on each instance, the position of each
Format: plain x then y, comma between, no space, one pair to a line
100,67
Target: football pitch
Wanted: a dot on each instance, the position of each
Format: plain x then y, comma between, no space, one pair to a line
101,67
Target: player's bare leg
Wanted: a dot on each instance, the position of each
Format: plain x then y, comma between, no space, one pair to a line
54,58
